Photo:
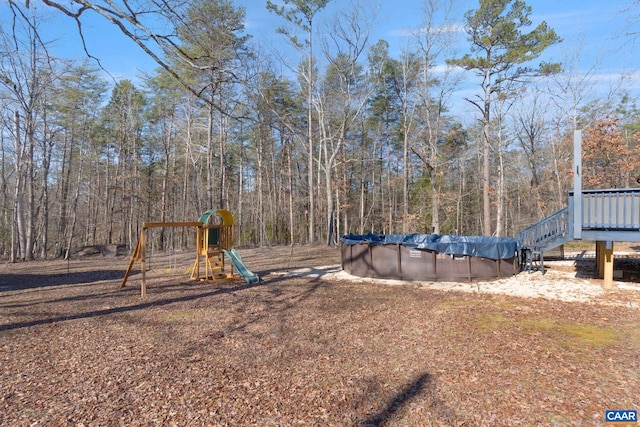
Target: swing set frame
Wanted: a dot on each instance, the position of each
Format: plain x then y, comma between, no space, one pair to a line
212,240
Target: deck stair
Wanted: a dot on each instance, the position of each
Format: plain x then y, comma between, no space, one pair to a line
549,233
603,216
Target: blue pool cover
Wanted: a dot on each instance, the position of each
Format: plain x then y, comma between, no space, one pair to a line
478,246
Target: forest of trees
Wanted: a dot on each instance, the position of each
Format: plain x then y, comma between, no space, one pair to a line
351,139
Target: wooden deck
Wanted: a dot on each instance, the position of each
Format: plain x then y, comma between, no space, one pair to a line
602,216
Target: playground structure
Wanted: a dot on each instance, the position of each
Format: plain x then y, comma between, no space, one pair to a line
211,242
214,245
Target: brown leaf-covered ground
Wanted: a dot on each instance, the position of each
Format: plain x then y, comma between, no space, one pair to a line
78,350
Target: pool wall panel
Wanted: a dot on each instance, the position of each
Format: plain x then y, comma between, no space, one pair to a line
417,264
385,261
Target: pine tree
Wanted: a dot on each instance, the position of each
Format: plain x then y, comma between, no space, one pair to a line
500,50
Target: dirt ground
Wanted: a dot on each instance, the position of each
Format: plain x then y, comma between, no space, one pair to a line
312,346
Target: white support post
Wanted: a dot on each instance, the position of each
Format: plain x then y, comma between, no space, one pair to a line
577,184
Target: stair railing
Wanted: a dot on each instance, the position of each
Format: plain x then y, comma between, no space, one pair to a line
551,227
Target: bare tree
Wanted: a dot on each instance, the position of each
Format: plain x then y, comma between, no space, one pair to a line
342,97
25,73
435,41
302,14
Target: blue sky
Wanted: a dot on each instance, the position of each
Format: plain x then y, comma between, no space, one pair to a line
593,33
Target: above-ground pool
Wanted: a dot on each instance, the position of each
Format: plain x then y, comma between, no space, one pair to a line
429,256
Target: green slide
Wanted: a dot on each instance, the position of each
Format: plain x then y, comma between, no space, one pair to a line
240,267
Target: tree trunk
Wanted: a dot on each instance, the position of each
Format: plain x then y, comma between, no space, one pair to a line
260,189
486,164
6,213
187,163
290,178
30,181
222,151
74,212
241,167
330,204
405,181
500,191
46,165
311,213
164,190
18,228
210,154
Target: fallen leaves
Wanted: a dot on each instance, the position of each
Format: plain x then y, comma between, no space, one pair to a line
306,351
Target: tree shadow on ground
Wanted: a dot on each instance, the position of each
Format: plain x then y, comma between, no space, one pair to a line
108,311
159,299
402,398
17,282
423,384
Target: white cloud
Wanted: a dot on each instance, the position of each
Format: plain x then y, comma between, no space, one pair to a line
439,29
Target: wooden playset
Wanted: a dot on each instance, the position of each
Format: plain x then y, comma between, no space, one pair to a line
213,242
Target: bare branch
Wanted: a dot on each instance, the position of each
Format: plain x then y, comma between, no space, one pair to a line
127,17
